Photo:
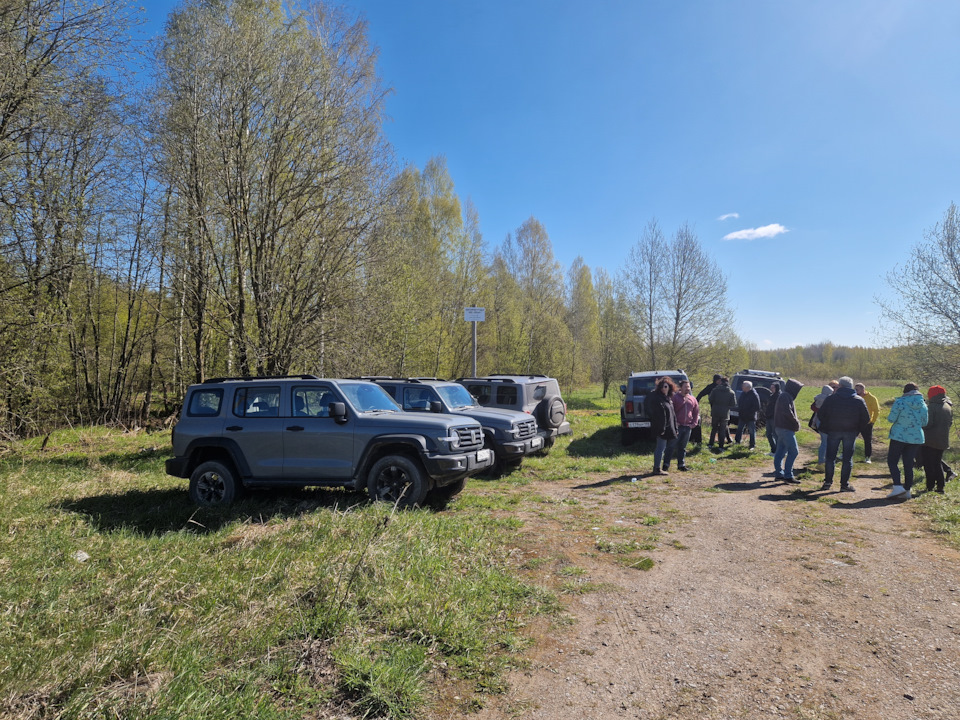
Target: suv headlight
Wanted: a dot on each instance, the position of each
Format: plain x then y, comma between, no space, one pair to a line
452,440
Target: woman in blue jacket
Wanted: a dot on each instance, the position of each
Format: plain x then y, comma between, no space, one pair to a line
907,419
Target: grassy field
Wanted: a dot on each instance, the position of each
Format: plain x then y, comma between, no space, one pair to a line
121,599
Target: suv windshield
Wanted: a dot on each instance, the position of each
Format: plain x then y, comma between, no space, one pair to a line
456,396
643,385
367,397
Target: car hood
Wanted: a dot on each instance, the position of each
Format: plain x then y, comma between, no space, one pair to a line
494,417
415,422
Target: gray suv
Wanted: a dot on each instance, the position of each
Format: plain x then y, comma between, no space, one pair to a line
237,433
509,434
536,395
634,421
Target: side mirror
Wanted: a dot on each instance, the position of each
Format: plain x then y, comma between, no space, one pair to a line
338,411
436,406
623,389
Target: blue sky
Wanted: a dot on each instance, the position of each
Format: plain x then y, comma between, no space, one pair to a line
808,143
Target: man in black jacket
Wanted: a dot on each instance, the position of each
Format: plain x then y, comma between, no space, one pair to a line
748,408
842,416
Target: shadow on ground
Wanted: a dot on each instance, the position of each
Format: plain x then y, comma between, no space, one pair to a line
156,512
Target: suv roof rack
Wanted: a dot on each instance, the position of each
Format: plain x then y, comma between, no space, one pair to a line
762,373
244,378
489,379
398,379
523,375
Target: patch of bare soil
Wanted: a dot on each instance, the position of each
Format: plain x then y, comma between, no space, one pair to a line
763,602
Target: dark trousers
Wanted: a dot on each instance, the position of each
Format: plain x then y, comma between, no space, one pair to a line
678,446
933,467
867,435
834,441
771,435
718,430
907,451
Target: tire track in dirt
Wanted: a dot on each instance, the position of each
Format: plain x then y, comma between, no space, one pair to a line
762,603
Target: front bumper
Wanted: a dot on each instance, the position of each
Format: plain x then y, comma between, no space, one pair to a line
521,448
445,469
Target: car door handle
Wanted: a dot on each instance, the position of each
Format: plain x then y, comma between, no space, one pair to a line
234,428
295,428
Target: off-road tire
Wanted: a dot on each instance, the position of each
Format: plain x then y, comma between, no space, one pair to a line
213,484
398,480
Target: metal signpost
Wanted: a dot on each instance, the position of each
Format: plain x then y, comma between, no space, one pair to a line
474,315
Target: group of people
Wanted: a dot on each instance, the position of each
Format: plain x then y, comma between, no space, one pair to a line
842,412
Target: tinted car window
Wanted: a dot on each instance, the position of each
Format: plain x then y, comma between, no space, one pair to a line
257,402
481,393
367,397
457,396
506,394
312,401
417,398
205,403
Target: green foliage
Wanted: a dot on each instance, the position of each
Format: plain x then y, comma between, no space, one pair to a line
113,581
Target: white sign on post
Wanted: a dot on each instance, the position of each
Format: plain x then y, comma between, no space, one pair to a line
474,314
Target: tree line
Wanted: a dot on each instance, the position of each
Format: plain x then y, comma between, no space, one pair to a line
241,213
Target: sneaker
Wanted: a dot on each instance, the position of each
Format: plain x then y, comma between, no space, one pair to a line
868,461
792,480
778,476
897,491
684,468
826,486
658,471
950,476
847,488
906,495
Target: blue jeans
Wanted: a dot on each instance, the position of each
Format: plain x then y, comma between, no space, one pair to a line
786,446
834,440
771,435
906,451
679,446
658,452
822,450
751,428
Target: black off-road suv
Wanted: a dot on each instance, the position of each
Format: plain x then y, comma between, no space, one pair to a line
238,433
536,395
634,421
760,379
509,434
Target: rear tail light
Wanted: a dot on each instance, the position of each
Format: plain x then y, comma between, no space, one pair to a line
629,406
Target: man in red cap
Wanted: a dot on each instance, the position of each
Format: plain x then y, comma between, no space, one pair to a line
936,437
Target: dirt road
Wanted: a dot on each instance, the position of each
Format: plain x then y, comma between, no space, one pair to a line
765,600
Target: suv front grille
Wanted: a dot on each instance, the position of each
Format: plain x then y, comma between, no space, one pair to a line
470,438
526,429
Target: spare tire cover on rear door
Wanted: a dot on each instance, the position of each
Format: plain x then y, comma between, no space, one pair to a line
552,412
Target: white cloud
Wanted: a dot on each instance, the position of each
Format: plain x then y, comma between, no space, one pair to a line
767,231
728,216
768,343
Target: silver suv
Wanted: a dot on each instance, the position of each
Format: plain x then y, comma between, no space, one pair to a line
634,421
510,435
237,433
536,395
